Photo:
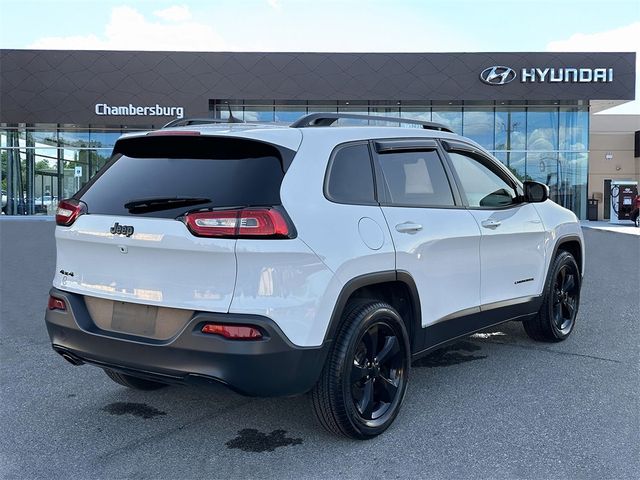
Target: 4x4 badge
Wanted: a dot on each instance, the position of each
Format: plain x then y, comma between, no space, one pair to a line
117,229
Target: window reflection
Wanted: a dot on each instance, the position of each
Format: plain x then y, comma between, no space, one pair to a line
353,107
103,139
574,129
45,191
386,111
516,161
74,138
45,138
289,114
258,113
542,167
452,118
573,174
478,125
542,129
319,107
223,112
418,113
510,129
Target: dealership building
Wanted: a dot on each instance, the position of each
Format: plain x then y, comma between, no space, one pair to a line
62,111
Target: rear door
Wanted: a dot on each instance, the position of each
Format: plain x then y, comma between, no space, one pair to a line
132,245
437,241
512,249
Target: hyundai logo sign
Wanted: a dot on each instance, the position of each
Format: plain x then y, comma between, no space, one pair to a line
498,75
501,75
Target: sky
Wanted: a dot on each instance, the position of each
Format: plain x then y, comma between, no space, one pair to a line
326,26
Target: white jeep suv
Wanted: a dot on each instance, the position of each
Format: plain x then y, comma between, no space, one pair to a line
279,260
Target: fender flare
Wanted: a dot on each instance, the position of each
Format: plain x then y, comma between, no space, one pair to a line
565,239
371,279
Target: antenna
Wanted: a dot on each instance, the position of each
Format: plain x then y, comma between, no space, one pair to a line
233,119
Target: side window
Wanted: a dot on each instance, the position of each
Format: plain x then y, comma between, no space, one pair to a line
482,187
416,179
350,176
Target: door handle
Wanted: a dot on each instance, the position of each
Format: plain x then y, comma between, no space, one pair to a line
408,227
491,223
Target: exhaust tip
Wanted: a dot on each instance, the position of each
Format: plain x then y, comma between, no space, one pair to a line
69,357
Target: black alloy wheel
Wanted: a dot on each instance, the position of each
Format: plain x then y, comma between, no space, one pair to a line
365,376
377,373
565,298
557,317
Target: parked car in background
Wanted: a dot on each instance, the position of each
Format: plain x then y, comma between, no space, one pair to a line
45,200
635,213
45,204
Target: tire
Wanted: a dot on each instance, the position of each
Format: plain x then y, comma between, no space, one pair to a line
557,316
636,220
133,382
364,379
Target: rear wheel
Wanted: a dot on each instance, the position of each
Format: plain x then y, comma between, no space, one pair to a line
364,380
557,317
133,382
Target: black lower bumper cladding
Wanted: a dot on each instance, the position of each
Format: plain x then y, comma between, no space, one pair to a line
271,366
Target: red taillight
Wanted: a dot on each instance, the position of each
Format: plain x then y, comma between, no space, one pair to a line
248,222
233,332
56,304
68,211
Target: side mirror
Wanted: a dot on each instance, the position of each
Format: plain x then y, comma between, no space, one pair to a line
535,192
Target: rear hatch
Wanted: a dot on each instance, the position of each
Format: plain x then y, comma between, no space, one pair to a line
158,224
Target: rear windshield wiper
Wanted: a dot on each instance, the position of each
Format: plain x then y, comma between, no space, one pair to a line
155,204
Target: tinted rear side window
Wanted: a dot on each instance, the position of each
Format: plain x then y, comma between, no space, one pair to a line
167,176
351,176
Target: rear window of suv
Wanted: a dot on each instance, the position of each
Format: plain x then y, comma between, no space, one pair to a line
166,176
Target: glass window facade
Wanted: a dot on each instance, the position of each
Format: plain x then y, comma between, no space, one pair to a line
547,143
450,117
38,164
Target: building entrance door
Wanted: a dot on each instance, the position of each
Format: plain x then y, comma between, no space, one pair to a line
606,200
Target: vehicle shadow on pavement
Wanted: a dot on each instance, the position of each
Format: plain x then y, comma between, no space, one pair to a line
265,424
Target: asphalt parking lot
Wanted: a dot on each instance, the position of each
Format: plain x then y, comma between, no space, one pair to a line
496,405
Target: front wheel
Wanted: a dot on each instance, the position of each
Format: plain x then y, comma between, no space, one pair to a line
557,317
364,380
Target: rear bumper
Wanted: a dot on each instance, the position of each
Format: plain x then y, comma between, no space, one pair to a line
268,367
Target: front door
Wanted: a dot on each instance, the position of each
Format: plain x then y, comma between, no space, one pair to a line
512,248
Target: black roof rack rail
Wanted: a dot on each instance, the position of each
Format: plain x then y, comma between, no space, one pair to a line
183,122
328,119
